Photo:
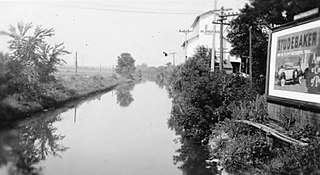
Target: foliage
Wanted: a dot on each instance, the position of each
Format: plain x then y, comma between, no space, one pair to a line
201,97
247,150
3,71
32,60
125,66
262,16
254,110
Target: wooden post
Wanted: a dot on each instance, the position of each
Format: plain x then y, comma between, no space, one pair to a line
75,115
76,64
250,54
213,51
221,41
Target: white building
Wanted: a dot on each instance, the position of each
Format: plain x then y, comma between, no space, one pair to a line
201,35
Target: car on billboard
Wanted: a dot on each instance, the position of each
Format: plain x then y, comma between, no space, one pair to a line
289,73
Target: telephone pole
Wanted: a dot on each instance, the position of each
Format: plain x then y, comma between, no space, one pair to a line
221,22
173,53
223,17
213,51
250,53
185,42
76,63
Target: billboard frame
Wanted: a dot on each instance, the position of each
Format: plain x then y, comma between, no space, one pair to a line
292,98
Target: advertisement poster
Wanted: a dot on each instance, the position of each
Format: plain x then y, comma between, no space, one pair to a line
294,71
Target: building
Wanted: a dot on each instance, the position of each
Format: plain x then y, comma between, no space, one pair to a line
201,35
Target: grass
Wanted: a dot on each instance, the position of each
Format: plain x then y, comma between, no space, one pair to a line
68,87
84,71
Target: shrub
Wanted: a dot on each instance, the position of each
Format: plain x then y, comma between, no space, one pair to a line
201,98
246,150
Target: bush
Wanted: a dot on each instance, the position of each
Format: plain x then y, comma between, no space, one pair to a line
201,98
247,150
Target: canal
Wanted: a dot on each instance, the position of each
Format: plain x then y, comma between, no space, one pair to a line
122,132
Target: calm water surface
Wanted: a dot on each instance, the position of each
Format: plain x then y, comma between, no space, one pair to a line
120,133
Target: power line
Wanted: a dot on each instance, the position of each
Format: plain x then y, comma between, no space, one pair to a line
134,11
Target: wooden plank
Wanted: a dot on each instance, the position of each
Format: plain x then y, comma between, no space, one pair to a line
274,132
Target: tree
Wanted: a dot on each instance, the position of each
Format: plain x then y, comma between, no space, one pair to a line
262,16
143,67
125,66
31,59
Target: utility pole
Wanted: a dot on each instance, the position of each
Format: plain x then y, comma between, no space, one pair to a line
76,63
186,41
221,22
221,39
173,53
75,115
250,53
213,51
223,17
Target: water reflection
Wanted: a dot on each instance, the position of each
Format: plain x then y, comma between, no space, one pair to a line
98,141
124,96
25,146
191,158
159,78
192,155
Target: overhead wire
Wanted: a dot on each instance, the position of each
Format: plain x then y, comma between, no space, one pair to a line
132,11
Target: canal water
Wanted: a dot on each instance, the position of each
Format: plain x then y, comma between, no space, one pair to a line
121,132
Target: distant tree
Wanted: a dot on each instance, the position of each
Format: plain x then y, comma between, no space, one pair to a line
262,16
31,59
125,66
143,67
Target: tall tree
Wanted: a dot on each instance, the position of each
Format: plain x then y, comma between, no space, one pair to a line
125,66
262,16
31,59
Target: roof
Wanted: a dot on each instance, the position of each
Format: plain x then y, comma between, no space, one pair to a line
184,43
198,17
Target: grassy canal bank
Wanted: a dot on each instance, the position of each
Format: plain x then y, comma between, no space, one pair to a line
67,87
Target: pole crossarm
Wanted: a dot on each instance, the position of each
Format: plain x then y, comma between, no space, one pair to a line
185,31
221,23
231,14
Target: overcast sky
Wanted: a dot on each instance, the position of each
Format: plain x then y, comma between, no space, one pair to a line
101,30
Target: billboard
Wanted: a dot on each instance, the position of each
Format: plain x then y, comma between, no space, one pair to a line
294,63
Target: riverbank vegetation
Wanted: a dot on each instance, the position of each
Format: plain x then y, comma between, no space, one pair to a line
29,79
206,109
